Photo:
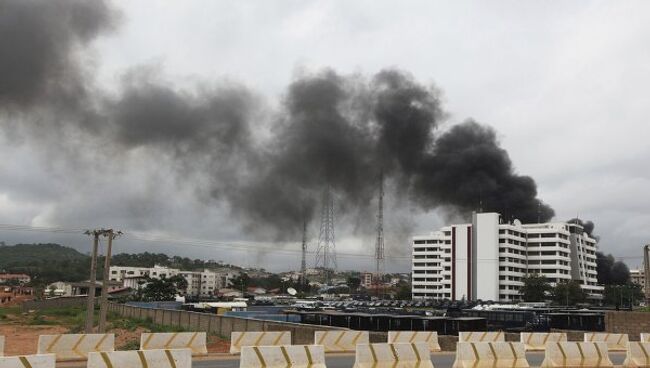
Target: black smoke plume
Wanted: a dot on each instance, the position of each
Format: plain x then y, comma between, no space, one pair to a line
588,226
41,45
269,167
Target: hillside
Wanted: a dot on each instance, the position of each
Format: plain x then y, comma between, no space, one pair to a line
45,263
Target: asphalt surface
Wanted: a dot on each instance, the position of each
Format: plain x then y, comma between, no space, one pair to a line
440,360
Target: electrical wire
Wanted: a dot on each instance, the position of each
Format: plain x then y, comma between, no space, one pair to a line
249,246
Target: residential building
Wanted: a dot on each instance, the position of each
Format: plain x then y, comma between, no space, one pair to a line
21,278
61,288
199,283
366,280
637,276
487,259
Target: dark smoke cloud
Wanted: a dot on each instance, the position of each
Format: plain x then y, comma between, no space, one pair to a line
343,133
40,46
467,169
588,226
335,131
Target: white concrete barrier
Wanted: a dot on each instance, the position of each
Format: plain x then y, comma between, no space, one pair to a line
341,341
266,338
28,361
481,336
2,345
75,346
645,337
294,356
576,354
195,341
538,340
167,358
490,354
393,355
615,342
637,355
430,337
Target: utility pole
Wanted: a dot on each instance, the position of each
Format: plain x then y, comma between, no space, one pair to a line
90,305
103,306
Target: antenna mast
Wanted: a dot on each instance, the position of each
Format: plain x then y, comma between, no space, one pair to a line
646,271
379,244
303,265
326,252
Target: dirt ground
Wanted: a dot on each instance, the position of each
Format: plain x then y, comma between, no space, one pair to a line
21,332
15,299
20,340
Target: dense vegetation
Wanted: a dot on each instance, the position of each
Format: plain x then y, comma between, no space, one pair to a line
45,263
48,263
147,259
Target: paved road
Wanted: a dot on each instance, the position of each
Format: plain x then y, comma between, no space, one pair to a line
440,360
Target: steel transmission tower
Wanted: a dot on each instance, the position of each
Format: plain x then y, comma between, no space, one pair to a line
379,244
326,252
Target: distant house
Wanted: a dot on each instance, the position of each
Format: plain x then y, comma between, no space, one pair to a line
78,288
20,277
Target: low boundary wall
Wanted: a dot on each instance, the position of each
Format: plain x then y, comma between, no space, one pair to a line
301,334
61,302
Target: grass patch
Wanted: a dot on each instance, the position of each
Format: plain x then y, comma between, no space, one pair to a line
130,345
131,324
4,312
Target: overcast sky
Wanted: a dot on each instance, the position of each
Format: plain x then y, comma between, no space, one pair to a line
564,84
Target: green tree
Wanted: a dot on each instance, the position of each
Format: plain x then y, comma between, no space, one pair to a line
163,288
354,283
403,291
568,293
535,288
241,282
620,296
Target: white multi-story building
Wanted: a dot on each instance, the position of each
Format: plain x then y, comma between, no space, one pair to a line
487,259
204,283
637,276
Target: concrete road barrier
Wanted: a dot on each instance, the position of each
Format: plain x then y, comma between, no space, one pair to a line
341,341
490,354
28,361
637,355
536,341
393,355
615,342
195,341
294,356
267,338
481,336
645,337
2,345
430,337
576,354
75,346
163,358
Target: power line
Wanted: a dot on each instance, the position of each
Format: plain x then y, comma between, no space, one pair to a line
238,245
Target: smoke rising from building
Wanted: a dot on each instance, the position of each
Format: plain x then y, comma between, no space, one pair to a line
268,167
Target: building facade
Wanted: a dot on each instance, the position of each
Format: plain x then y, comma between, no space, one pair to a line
488,259
199,283
20,278
637,276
